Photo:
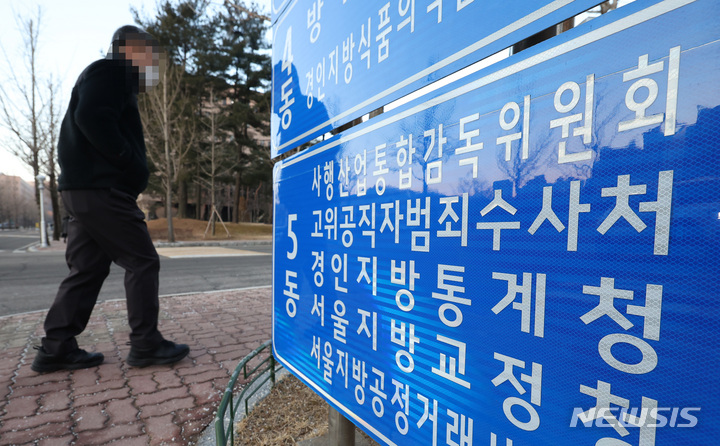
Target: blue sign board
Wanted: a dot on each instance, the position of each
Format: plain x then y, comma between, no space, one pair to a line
528,257
335,60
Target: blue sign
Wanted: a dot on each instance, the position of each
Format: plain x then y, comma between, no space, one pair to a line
527,257
334,61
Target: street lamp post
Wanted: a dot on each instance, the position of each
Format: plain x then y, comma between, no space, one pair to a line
43,235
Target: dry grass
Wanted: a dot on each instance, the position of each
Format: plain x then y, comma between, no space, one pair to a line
187,230
289,414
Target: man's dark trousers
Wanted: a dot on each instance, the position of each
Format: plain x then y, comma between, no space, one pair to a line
106,226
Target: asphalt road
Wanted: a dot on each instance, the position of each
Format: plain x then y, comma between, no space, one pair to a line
29,280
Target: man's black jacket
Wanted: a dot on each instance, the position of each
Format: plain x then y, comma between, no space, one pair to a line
101,143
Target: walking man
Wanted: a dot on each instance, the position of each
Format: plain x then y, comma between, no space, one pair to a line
101,152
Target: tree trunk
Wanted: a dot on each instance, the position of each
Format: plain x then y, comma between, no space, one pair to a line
168,171
182,197
236,199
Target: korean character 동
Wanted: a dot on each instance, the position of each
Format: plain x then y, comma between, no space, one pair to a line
651,314
506,125
535,381
525,290
290,291
642,80
564,123
378,388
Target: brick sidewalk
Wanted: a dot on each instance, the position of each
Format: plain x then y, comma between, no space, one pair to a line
119,405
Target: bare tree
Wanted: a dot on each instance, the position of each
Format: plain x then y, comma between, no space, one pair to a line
22,117
50,138
170,132
215,163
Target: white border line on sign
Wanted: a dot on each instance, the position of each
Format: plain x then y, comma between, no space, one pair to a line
497,35
564,48
592,36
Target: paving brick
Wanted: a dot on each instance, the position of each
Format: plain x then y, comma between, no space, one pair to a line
142,384
85,377
185,371
21,407
110,372
135,441
207,376
17,438
201,414
65,440
89,418
51,430
27,378
161,396
167,407
34,421
55,401
162,430
204,393
101,397
109,433
121,411
192,429
167,378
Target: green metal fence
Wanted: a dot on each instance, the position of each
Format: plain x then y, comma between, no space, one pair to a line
262,372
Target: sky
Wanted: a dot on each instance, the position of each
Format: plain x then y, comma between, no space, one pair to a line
73,34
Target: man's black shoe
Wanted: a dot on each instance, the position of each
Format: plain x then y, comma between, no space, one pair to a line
167,352
76,359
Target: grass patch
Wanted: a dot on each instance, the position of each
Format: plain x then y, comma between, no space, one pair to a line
187,230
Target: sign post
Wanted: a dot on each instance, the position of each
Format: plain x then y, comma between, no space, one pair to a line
526,256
